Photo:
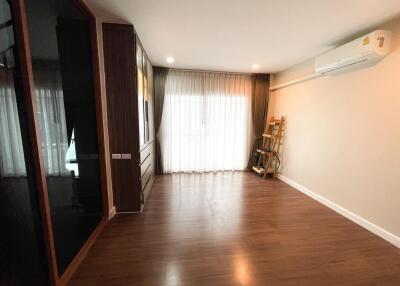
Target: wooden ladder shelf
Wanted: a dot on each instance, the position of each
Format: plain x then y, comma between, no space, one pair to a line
268,155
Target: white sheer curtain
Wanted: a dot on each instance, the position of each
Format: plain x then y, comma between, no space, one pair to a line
12,161
206,122
51,114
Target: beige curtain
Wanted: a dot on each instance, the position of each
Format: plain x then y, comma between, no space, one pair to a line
259,110
159,79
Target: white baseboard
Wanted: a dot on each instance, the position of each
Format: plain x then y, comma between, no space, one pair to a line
112,212
390,237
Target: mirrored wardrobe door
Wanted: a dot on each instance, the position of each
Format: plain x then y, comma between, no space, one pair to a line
22,254
145,99
143,94
140,84
59,38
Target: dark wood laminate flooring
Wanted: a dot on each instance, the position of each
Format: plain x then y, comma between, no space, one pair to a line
235,229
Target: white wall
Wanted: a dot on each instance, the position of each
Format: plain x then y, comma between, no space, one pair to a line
343,136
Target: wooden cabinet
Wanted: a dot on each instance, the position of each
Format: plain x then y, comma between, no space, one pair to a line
128,75
146,118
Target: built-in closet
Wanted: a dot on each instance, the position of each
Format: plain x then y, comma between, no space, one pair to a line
52,164
129,80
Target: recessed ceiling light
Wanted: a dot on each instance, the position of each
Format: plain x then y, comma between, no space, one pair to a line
170,60
255,66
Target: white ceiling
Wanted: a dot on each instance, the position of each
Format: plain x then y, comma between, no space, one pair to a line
231,35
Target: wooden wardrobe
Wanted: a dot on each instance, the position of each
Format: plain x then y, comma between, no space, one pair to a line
129,86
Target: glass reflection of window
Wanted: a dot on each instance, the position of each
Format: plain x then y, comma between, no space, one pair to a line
21,257
12,161
51,116
71,162
59,37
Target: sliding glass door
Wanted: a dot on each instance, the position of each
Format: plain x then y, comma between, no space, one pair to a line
59,36
22,256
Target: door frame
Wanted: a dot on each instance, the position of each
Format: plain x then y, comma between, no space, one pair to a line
24,56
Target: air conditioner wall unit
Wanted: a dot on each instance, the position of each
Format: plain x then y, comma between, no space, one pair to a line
359,53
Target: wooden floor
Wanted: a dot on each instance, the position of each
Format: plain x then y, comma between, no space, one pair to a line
235,229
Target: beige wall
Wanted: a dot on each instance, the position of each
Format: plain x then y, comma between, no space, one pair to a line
343,136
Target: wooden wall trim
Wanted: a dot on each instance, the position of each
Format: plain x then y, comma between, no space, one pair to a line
24,54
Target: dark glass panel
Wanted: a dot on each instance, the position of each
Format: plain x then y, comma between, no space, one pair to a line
61,58
22,255
140,78
143,95
146,98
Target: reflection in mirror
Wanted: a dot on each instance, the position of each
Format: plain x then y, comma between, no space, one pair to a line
22,256
145,100
143,95
139,62
59,37
70,157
